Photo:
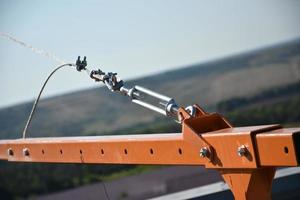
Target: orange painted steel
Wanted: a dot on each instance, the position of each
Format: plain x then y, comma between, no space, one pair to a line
245,156
250,184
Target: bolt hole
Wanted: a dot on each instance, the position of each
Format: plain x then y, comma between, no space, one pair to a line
61,152
125,151
43,152
10,152
26,152
180,151
80,151
151,151
286,150
102,151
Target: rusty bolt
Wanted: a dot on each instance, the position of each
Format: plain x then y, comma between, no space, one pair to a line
242,150
10,152
25,152
204,152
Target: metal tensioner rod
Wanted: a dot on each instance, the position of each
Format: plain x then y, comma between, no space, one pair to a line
166,105
169,105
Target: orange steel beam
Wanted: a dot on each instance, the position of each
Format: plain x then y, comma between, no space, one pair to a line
168,149
246,157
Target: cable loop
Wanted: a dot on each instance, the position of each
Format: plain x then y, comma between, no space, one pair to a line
39,96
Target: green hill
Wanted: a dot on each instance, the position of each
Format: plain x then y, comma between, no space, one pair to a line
260,87
88,112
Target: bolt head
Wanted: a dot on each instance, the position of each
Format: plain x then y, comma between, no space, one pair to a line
242,150
204,152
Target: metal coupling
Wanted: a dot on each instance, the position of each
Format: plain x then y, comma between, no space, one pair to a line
130,92
81,65
171,108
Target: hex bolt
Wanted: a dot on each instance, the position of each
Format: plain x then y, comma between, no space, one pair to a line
25,152
204,152
10,152
242,150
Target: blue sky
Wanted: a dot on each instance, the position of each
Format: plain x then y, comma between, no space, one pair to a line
134,38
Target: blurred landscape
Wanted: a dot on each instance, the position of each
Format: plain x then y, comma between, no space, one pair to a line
259,87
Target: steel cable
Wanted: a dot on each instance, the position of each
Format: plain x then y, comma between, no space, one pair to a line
36,103
39,96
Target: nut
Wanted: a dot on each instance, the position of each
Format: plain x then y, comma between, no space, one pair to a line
204,152
242,150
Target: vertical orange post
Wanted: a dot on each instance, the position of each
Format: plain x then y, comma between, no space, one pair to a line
250,184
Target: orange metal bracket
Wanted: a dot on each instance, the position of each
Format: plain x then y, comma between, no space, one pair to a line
246,156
